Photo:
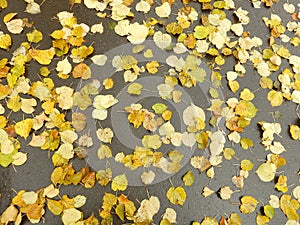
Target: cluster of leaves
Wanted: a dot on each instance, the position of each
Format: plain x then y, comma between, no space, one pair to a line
216,36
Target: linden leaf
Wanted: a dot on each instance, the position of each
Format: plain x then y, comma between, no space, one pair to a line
64,66
170,215
266,172
176,196
99,60
19,158
228,153
104,152
248,204
148,177
209,221
162,40
201,32
269,211
43,57
295,132
275,98
15,26
234,219
5,41
104,176
79,201
159,108
246,165
33,8
82,71
296,193
207,192
24,127
71,216
9,215
281,184
163,10
105,135
147,210
225,193
246,143
35,36
108,83
78,121
262,220
135,89
152,141
191,114
137,33
119,183
3,4
50,191
28,105
188,178
120,211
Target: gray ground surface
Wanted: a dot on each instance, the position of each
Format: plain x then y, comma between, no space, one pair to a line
35,173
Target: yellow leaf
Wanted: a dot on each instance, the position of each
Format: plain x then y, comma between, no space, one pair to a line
266,82
234,219
246,143
71,215
104,176
135,89
228,153
247,95
281,184
3,4
119,183
207,192
5,41
136,117
234,86
14,103
289,207
35,36
201,32
9,215
225,193
43,57
246,165
166,115
188,178
262,220
152,67
109,200
82,71
209,221
120,211
275,98
152,141
176,196
148,208
23,127
108,83
248,204
295,132
266,172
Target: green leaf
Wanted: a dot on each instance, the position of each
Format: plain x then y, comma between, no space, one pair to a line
159,108
269,211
